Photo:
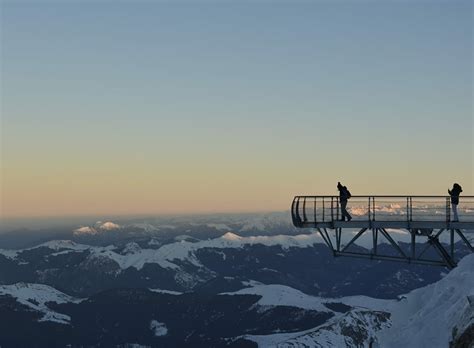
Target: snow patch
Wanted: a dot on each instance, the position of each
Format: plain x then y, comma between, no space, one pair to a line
131,248
159,329
97,228
281,295
169,292
108,225
62,244
9,254
183,237
36,296
84,230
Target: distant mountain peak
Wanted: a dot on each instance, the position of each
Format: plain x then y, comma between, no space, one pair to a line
231,236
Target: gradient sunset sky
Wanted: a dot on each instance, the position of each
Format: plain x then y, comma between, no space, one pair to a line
160,107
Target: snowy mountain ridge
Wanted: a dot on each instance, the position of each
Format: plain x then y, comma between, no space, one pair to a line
134,256
184,250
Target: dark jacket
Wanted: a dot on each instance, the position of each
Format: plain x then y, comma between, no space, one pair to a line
454,193
344,194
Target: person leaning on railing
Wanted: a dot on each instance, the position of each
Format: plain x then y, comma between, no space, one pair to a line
454,193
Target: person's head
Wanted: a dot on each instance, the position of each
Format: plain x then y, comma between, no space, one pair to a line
456,186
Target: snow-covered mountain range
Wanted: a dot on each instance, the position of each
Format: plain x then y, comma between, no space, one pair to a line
239,282
132,255
186,263
437,315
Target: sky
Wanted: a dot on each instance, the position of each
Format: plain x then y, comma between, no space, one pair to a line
164,107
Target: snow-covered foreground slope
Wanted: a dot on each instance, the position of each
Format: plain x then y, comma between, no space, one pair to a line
423,318
356,328
355,323
36,297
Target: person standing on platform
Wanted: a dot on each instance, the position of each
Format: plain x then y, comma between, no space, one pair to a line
454,193
344,195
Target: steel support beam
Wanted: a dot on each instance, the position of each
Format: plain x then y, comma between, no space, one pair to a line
463,237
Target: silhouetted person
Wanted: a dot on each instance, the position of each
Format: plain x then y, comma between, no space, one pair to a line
344,195
454,193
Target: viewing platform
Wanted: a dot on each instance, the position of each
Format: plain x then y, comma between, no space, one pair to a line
424,218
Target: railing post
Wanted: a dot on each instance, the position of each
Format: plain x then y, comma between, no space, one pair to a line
323,209
332,209
448,210
411,209
297,211
305,219
315,217
408,209
369,209
373,208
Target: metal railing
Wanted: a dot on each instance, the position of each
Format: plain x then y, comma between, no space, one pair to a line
320,209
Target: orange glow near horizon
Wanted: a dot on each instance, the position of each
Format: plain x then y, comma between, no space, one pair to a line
183,191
